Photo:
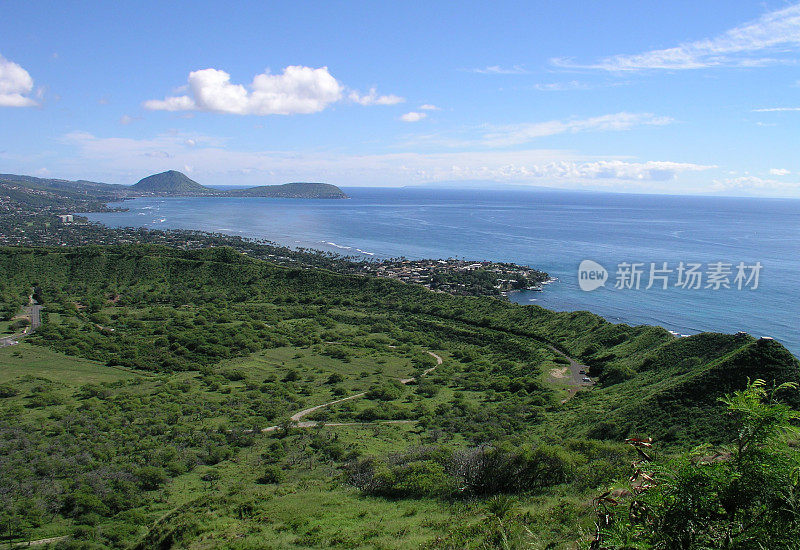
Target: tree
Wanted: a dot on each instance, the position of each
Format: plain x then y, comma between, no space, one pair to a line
211,477
746,495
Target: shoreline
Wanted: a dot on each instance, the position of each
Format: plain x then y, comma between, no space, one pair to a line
629,316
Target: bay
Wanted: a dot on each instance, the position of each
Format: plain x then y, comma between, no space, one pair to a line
550,230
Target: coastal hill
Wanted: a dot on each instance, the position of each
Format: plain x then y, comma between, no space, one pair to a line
170,182
173,183
19,188
296,190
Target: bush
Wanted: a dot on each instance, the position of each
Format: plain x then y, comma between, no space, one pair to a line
743,496
484,471
7,390
19,324
151,477
271,474
291,376
385,392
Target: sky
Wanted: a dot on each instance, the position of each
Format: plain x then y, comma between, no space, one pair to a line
679,97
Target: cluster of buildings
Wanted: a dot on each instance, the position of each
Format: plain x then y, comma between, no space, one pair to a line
459,276
48,225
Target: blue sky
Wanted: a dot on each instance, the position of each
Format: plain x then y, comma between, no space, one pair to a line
671,97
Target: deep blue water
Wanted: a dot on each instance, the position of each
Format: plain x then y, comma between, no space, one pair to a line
550,230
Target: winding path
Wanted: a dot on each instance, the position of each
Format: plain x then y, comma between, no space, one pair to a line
298,416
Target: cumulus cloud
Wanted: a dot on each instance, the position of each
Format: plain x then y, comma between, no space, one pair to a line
413,116
213,163
779,172
297,90
15,85
755,185
372,98
772,38
503,136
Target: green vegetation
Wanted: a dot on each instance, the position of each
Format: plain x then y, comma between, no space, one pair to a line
152,410
176,183
88,196
296,190
170,182
742,495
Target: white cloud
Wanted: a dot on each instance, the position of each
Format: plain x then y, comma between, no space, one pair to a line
497,69
566,171
413,116
15,85
776,109
214,164
179,103
772,38
504,136
779,172
562,86
298,90
372,98
755,185
429,107
126,119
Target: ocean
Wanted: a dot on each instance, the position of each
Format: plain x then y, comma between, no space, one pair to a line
633,237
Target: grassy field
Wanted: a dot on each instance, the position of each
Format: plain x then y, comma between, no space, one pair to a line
26,360
140,414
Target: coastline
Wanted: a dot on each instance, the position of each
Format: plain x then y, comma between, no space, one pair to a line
404,222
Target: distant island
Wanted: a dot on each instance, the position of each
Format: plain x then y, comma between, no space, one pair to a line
295,190
174,183
165,184
170,182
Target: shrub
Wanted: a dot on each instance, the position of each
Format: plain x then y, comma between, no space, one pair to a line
271,475
151,477
7,390
742,496
385,392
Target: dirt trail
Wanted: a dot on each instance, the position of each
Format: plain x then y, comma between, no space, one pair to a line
298,416
39,542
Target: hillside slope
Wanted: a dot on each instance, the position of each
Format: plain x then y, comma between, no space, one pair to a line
170,182
297,190
670,388
164,365
673,394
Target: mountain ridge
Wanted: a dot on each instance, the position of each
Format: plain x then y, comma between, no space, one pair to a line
171,183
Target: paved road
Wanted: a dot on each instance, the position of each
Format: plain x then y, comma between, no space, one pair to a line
575,377
33,313
8,341
298,416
